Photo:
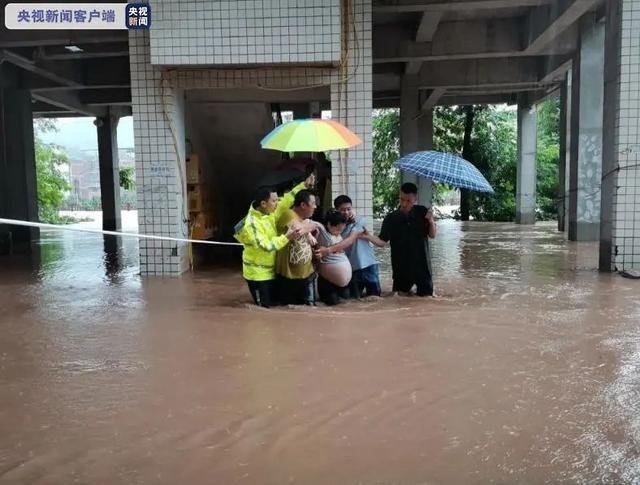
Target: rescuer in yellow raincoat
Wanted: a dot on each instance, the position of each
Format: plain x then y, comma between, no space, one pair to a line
258,234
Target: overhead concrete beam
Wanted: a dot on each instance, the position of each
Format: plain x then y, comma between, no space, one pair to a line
86,55
67,74
96,74
478,99
68,101
452,40
432,98
40,109
37,38
426,30
114,73
538,97
37,84
556,69
547,23
481,73
392,100
386,82
105,97
489,92
386,103
399,6
385,94
59,114
412,67
120,111
428,26
484,75
89,51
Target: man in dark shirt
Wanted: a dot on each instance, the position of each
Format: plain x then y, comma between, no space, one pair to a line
408,229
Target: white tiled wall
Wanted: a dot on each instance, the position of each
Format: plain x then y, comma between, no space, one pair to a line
626,232
352,104
160,161
234,32
158,123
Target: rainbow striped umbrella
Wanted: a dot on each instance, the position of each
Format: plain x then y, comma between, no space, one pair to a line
310,135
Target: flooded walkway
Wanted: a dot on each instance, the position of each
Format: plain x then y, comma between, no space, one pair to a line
524,369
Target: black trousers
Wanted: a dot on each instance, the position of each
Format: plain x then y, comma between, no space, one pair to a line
424,284
331,294
296,291
262,292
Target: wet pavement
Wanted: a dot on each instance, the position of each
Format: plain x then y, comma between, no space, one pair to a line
524,369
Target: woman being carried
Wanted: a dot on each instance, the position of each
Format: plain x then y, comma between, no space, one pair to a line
334,269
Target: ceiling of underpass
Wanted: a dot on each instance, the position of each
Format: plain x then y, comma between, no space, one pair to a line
69,73
455,51
474,51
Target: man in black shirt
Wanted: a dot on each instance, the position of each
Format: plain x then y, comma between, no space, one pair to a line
408,229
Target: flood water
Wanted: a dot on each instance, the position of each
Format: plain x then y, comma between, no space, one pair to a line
524,369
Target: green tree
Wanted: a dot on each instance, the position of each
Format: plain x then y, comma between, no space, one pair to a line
492,149
127,178
548,158
494,153
386,150
491,137
52,185
448,129
448,136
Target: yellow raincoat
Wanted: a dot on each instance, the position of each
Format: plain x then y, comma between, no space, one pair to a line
258,234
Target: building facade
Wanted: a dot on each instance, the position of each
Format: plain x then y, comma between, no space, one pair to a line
277,47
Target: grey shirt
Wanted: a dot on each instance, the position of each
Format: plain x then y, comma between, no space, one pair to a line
326,239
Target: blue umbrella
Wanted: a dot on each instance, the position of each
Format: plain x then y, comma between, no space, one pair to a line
445,167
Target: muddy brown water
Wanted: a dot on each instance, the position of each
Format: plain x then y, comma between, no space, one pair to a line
524,369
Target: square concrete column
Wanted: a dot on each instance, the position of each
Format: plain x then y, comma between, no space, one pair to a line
562,162
159,129
586,133
352,104
567,153
109,172
526,172
18,184
620,207
416,134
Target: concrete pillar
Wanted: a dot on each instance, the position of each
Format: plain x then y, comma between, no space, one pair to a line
620,207
416,134
562,162
425,142
567,152
159,129
112,246
409,111
18,184
352,104
526,173
586,133
109,172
